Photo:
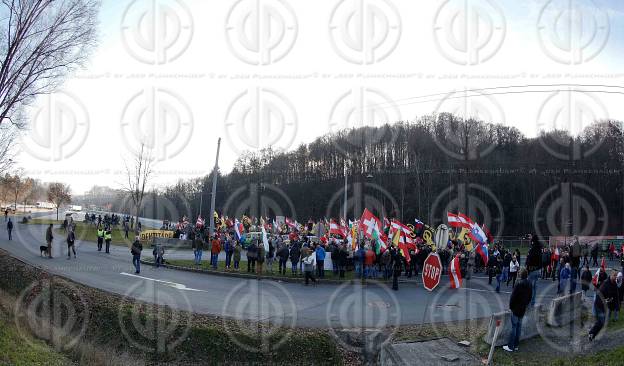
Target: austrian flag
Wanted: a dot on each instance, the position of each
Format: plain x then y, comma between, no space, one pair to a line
456,278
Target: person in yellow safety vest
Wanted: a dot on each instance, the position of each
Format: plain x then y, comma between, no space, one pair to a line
108,236
100,238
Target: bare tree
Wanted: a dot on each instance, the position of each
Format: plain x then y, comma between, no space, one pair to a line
138,175
59,194
41,42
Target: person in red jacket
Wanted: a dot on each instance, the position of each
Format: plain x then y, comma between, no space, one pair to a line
369,263
214,252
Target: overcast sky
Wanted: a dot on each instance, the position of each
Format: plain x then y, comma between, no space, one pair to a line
182,73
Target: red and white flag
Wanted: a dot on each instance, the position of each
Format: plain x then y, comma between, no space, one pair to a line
465,221
200,222
453,220
335,229
455,277
603,265
291,224
405,237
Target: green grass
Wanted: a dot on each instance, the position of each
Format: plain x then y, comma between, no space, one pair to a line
43,222
602,358
19,349
89,232
329,275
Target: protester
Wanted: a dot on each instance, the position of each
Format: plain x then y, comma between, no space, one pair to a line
215,249
229,251
586,278
282,255
514,266
386,264
261,257
533,265
358,260
270,256
71,240
498,270
520,298
320,261
198,249
159,253
564,277
341,260
295,252
607,293
369,263
397,266
252,256
49,238
236,256
10,228
309,263
575,262
136,250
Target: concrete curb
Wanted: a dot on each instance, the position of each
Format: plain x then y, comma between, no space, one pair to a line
263,277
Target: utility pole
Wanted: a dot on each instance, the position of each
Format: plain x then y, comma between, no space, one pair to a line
215,171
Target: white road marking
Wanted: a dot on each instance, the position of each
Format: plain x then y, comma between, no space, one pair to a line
177,286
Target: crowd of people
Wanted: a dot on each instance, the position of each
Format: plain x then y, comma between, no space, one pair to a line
568,264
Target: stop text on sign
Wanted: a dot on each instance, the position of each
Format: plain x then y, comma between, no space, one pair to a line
431,271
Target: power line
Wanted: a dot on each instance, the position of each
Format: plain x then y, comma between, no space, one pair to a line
393,102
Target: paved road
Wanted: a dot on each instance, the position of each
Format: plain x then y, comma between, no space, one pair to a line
340,306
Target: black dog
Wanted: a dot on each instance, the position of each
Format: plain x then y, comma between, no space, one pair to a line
43,249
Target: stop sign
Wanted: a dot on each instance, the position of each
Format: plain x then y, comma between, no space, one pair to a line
432,271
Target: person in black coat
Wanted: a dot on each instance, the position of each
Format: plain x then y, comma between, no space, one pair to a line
606,298
534,265
282,255
586,278
518,302
397,266
341,260
295,252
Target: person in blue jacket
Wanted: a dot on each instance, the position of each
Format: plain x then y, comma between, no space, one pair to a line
320,261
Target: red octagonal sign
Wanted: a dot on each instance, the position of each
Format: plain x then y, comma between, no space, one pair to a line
432,271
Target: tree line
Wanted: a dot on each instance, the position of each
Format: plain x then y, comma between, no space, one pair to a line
554,184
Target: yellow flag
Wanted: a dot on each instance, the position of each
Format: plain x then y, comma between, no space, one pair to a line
396,238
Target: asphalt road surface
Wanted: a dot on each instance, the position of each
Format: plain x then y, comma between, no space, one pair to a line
373,305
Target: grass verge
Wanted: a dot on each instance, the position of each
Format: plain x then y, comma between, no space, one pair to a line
111,329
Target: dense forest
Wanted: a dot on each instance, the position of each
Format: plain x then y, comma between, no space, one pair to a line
554,184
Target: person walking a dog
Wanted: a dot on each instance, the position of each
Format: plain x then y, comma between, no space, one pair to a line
49,238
